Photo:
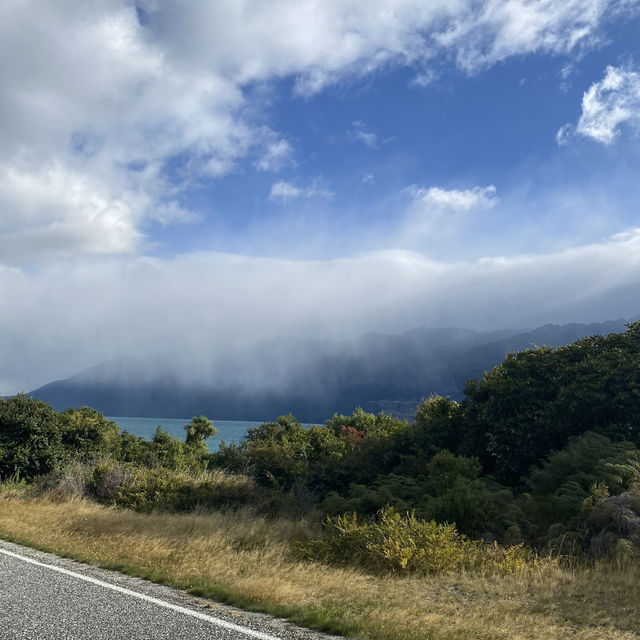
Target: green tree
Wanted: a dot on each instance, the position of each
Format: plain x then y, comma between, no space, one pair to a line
35,439
87,433
198,430
536,400
30,437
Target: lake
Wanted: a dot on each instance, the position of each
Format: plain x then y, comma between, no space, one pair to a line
228,430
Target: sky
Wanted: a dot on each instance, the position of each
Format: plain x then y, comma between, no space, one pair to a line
192,178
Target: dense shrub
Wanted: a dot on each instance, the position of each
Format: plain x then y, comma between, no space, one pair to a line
612,523
536,400
393,543
275,453
282,453
558,488
401,492
436,426
450,490
30,437
142,488
87,434
163,450
369,425
35,439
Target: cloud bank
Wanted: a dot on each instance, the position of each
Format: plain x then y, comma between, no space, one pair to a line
194,307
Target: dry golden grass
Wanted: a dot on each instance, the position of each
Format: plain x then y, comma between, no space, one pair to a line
247,561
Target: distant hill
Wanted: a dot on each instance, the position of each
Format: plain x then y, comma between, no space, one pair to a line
311,379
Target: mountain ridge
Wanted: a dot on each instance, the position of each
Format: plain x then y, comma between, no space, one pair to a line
312,379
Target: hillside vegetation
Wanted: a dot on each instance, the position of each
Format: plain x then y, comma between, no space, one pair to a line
531,480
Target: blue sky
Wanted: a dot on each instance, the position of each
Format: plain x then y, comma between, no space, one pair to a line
356,148
197,178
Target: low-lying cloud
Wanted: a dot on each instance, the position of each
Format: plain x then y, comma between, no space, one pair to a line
196,307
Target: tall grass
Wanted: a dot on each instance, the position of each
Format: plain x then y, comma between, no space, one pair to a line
249,561
133,486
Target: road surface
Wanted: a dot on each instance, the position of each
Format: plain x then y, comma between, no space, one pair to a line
43,597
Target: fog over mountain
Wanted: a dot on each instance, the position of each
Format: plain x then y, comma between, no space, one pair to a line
61,319
312,379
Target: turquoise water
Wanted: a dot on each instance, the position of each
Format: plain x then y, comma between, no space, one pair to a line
228,430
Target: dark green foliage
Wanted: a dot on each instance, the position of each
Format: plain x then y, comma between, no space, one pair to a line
559,487
169,452
437,425
276,453
401,492
369,425
450,490
87,432
30,437
536,400
283,453
34,439
612,524
456,493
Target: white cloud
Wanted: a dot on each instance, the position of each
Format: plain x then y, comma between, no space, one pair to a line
566,72
276,155
564,134
68,316
437,199
437,216
610,103
425,78
482,34
88,90
284,191
607,106
367,138
360,133
57,211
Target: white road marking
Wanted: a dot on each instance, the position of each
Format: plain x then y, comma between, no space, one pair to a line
141,596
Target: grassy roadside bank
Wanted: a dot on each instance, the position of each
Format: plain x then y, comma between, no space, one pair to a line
247,561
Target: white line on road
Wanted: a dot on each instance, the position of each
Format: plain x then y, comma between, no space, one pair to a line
161,603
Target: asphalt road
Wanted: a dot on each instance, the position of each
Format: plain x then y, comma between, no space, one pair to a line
43,597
